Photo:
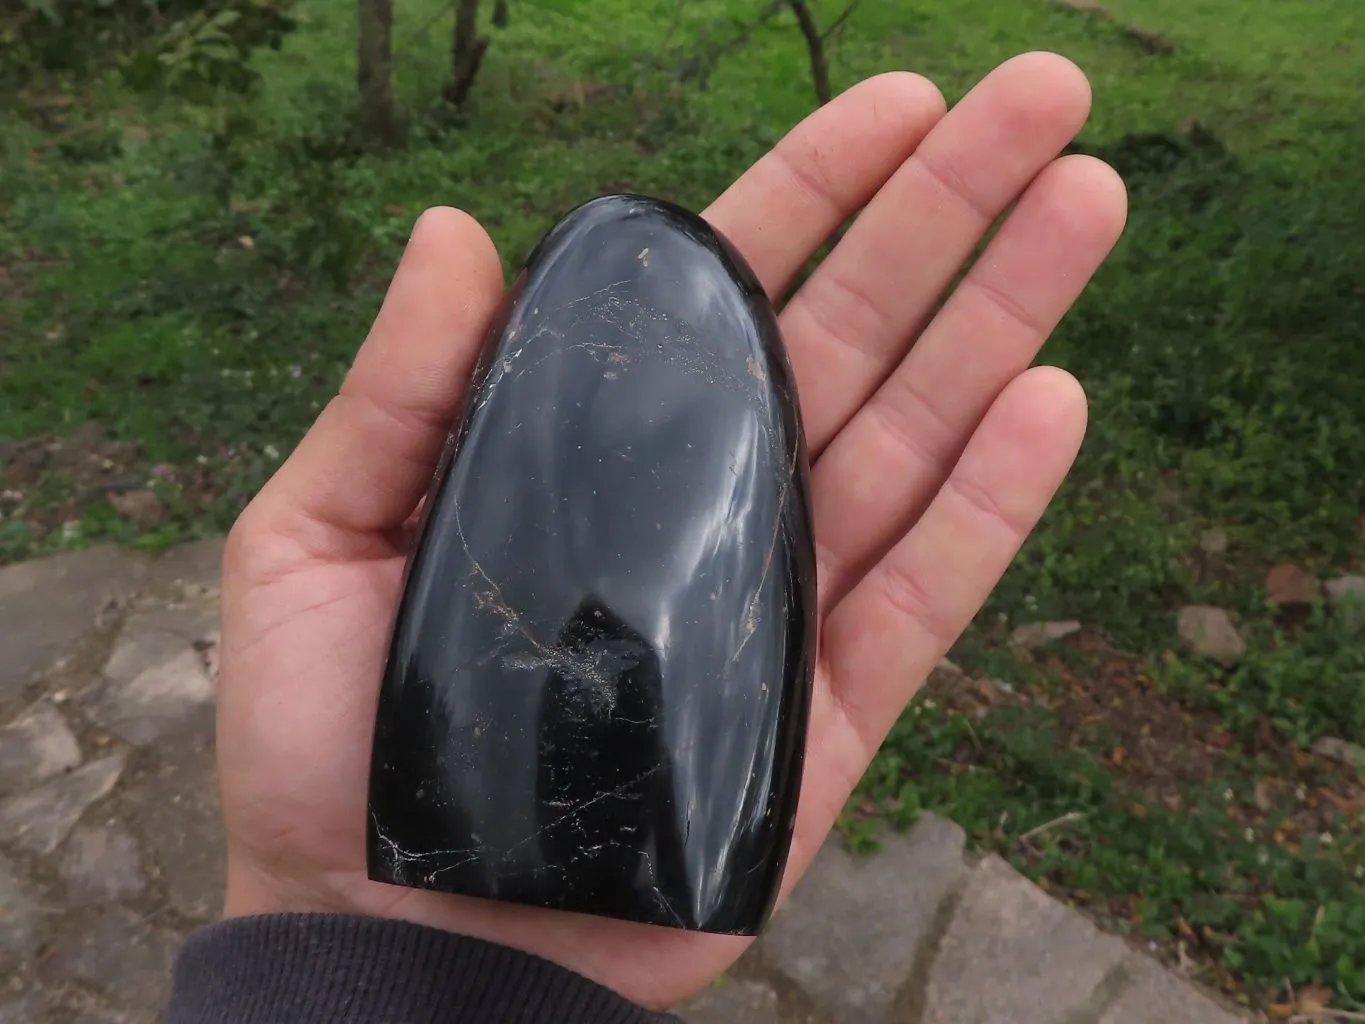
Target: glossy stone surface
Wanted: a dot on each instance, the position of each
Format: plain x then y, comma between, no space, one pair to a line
599,678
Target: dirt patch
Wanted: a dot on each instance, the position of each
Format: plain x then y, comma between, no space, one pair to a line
1167,757
1106,703
1153,742
51,480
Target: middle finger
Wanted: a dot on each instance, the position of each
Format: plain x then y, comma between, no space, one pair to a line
849,325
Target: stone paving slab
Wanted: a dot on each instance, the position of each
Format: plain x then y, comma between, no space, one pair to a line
102,864
48,606
1155,996
175,809
851,931
734,1000
1046,963
111,847
34,747
36,822
22,922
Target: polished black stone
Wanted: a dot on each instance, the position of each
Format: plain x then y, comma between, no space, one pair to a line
599,679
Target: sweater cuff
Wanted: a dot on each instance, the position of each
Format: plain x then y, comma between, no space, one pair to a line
332,968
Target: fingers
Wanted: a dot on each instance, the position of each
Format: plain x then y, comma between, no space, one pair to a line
878,475
785,206
852,321
369,457
881,640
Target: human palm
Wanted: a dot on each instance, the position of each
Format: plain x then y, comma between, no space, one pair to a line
935,448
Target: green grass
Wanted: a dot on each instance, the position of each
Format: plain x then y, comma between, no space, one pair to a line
1223,348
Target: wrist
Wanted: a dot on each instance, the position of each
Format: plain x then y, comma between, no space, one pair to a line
254,892
316,968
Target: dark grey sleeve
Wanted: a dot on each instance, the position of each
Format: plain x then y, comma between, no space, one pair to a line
316,968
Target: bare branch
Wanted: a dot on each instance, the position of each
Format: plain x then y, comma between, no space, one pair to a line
466,52
838,22
701,65
374,72
815,44
426,27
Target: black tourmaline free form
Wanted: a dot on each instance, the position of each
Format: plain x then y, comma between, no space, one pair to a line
599,678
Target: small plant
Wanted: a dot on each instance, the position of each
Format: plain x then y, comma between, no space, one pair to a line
208,49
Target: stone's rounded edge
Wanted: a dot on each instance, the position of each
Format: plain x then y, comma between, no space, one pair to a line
586,210
734,262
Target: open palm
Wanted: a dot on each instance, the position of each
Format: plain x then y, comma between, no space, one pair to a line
935,448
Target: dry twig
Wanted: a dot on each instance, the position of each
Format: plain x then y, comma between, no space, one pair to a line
1066,819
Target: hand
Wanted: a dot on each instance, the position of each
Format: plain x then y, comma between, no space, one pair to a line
934,448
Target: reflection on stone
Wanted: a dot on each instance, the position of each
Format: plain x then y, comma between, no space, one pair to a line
598,684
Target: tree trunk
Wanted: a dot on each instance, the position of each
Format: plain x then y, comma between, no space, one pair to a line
374,70
815,43
466,51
